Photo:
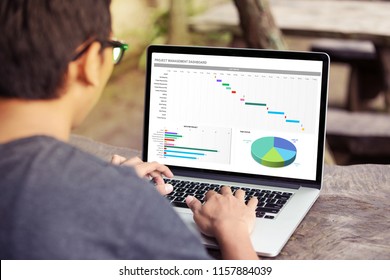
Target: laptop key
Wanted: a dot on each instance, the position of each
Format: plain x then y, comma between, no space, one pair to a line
269,217
270,195
283,197
179,194
260,215
274,206
261,203
190,191
179,199
202,192
199,197
259,195
179,204
268,210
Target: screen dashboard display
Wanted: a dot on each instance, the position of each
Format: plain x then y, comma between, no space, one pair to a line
257,116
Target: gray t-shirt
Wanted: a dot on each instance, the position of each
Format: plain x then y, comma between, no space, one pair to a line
57,202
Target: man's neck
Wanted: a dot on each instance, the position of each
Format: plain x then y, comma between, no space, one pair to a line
22,118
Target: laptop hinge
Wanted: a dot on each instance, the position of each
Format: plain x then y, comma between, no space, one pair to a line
238,179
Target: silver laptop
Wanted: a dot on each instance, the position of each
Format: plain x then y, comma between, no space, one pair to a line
249,119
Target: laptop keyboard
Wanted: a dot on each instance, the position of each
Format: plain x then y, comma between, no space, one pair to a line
269,205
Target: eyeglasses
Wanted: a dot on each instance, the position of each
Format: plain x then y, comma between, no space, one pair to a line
118,49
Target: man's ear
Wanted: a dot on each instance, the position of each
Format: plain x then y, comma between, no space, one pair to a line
91,65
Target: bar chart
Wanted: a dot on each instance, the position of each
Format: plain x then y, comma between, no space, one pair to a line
204,144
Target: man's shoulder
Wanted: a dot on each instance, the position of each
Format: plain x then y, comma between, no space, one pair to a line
40,146
45,162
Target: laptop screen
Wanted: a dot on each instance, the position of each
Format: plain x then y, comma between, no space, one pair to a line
254,113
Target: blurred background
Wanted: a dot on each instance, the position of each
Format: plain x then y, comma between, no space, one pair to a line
355,125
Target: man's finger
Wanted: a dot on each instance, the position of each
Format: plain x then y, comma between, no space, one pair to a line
252,203
210,194
164,189
240,194
158,180
117,159
152,167
226,190
193,203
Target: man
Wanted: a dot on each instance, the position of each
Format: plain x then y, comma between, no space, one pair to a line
60,203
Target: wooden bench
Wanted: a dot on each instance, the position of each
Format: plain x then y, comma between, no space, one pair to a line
356,137
366,74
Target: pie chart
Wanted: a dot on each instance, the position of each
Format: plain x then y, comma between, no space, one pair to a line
273,151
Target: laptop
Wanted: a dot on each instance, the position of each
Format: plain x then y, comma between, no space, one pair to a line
250,119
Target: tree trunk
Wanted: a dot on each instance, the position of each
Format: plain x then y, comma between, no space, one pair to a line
178,28
258,25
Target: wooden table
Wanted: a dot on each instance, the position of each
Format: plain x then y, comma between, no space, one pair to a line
358,20
350,219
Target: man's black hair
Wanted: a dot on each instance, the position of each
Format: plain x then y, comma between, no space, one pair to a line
39,38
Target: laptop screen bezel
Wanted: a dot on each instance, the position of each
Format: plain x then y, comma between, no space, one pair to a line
235,176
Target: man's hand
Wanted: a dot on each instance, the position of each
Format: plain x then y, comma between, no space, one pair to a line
223,210
228,219
149,170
